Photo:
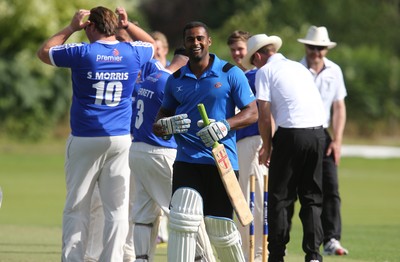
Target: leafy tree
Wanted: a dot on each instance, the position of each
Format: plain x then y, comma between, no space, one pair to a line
34,97
368,55
373,103
170,17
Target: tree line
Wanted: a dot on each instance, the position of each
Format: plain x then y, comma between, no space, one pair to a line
35,98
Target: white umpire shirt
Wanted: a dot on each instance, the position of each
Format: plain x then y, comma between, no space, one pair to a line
289,87
330,84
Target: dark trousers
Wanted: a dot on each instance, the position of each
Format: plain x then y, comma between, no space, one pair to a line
206,180
331,216
295,171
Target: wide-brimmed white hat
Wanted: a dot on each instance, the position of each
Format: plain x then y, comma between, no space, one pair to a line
255,42
317,36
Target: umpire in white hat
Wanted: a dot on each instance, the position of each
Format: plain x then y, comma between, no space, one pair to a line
329,79
285,89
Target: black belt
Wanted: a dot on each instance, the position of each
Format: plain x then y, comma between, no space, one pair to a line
302,128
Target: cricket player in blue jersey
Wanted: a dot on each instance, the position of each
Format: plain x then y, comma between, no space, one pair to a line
249,142
103,75
151,159
221,87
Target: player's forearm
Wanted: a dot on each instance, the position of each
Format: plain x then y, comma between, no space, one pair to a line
137,33
61,37
247,116
264,128
57,39
134,31
265,124
338,121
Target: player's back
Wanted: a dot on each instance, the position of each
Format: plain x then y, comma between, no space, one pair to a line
147,103
103,76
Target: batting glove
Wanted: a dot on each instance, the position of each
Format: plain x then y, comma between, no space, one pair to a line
214,132
175,124
201,124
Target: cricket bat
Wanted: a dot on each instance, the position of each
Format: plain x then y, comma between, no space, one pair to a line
251,227
265,223
228,177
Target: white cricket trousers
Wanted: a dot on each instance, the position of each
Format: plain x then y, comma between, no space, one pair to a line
87,160
248,165
151,191
152,178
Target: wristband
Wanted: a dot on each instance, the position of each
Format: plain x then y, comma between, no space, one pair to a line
225,122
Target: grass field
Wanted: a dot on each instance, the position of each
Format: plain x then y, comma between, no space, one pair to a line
32,180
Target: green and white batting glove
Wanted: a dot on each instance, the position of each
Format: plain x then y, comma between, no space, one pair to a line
214,132
175,124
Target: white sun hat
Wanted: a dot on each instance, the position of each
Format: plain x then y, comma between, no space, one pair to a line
255,42
317,36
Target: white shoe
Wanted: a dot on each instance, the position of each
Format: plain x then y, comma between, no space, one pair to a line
333,247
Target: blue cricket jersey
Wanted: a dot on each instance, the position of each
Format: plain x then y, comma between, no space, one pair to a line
220,90
251,130
103,78
148,68
148,101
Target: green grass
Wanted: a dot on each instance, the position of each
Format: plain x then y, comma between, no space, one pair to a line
32,180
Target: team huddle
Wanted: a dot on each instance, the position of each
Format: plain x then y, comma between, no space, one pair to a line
139,148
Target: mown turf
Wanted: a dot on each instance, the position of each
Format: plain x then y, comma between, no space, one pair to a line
32,180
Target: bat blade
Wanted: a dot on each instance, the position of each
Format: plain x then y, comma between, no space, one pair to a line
228,177
232,186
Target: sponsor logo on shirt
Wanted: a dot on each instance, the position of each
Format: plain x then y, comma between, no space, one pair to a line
115,58
153,78
218,85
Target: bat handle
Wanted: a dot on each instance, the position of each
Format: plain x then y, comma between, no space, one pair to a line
203,114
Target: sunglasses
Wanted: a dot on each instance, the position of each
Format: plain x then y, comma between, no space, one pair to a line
315,47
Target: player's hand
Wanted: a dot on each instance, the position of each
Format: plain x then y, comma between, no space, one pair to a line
213,132
201,124
77,23
264,156
122,17
334,148
175,124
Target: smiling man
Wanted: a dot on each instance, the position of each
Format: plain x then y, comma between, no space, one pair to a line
197,187
249,143
329,79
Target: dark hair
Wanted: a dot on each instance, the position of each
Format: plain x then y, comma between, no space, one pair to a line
237,36
194,24
263,50
104,20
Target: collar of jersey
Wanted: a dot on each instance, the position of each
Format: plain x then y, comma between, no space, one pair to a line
107,42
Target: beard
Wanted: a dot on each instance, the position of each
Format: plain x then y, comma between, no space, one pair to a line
196,58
